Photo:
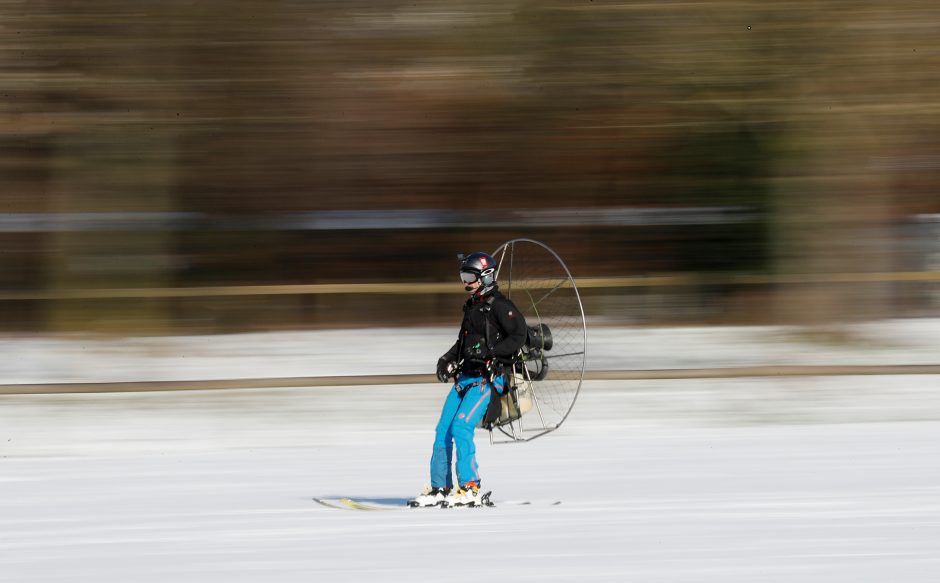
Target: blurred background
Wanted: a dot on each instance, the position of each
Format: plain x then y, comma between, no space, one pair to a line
206,167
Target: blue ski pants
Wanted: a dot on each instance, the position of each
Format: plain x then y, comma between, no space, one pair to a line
463,410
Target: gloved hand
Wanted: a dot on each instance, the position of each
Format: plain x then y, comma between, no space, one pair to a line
446,370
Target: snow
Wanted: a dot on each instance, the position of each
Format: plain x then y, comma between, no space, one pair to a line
384,351
815,479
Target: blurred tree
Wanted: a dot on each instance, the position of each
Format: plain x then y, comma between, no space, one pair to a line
101,72
807,113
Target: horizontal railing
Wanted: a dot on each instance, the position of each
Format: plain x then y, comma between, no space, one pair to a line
717,372
585,283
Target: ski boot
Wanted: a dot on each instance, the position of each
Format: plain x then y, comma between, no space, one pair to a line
468,495
430,497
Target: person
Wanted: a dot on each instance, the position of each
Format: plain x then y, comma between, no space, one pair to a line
491,334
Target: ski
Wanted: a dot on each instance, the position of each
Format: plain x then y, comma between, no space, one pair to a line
392,504
353,504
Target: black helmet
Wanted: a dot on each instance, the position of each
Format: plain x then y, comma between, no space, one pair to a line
482,265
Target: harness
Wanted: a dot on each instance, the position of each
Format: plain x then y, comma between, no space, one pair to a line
489,371
490,334
462,390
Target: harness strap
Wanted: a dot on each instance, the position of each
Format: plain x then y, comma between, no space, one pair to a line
461,390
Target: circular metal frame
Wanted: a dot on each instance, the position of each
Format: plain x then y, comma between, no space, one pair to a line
549,371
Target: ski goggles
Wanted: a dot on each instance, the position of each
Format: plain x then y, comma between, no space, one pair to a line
468,277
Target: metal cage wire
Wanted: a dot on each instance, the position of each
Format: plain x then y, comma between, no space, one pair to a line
548,378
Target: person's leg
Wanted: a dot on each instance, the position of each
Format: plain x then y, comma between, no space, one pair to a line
469,414
442,455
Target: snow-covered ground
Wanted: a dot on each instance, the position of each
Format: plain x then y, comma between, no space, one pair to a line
754,480
415,350
810,479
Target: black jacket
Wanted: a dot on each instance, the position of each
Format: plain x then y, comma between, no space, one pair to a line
492,329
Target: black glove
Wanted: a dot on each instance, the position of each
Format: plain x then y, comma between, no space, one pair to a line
445,370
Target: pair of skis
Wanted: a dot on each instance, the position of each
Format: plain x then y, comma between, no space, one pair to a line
393,503
385,504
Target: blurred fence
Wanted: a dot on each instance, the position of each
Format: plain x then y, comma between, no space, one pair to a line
372,268
415,287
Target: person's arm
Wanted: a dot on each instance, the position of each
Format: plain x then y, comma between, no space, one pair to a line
512,323
447,364
452,355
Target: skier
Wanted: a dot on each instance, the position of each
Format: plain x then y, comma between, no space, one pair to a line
492,332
